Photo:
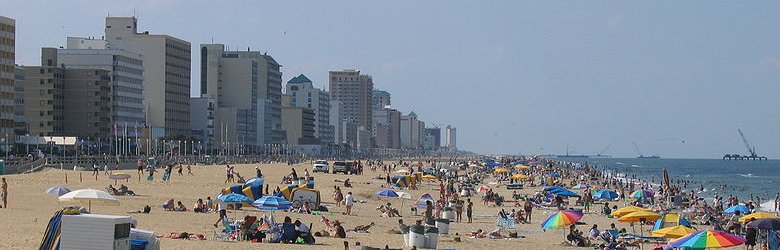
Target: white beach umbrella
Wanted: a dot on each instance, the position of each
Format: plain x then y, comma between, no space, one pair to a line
404,196
89,197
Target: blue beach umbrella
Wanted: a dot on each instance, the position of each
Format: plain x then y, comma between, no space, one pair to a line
604,195
387,193
742,209
566,192
272,203
234,198
491,164
553,188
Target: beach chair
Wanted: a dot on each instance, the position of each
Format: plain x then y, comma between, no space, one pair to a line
507,223
226,234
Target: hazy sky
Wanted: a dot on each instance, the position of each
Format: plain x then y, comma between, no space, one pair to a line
512,76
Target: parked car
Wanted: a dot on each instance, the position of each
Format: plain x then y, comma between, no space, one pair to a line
321,166
345,167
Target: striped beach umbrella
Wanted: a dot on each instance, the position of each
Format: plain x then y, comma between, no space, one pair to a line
272,203
642,193
562,219
706,239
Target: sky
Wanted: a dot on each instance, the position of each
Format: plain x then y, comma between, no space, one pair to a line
677,78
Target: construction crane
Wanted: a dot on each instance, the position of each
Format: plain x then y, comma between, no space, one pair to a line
751,149
641,156
604,151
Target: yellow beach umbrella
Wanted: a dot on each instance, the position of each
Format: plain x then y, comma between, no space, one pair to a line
639,216
758,216
430,177
673,232
519,176
522,167
501,170
627,210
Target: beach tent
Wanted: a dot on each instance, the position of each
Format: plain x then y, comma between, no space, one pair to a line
302,195
420,203
670,220
404,180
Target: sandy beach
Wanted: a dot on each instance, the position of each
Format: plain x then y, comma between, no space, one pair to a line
30,209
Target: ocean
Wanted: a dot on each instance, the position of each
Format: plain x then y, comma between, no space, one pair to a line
742,178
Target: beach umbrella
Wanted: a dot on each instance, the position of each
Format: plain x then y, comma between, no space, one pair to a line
627,210
234,198
430,177
501,170
57,190
640,215
757,216
387,193
706,239
402,171
491,164
741,208
519,176
404,196
561,219
565,192
272,203
580,186
421,202
520,166
604,195
769,224
89,197
552,188
673,232
642,193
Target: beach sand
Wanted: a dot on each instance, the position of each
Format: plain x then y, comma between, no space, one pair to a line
24,222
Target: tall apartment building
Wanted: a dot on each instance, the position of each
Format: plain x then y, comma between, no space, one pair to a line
336,119
126,67
231,81
19,118
450,137
166,70
432,138
298,124
202,118
66,102
412,131
269,101
355,92
387,128
380,99
303,94
7,74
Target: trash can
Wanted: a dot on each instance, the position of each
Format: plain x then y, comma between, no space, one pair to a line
431,238
417,236
447,213
443,225
405,232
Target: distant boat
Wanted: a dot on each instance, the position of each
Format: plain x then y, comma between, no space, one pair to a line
649,157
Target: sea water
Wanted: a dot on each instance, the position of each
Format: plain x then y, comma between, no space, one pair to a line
721,177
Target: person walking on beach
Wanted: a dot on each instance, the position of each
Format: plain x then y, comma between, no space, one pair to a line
337,195
4,193
140,165
189,170
349,201
469,209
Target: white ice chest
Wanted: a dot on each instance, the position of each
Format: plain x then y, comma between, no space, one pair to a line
95,231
